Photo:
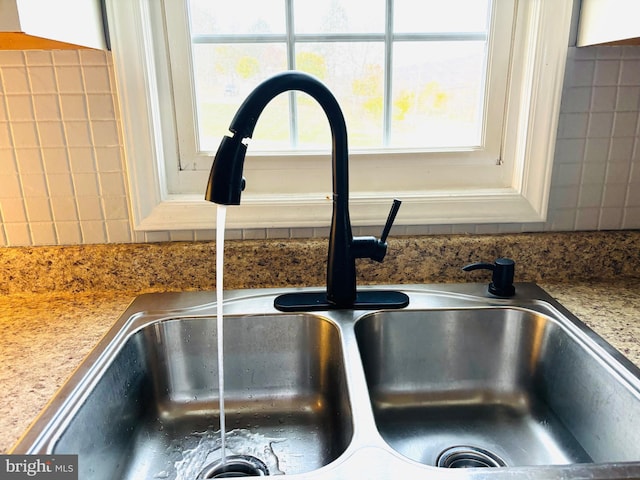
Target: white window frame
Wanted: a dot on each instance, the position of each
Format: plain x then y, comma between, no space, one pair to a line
531,118
486,152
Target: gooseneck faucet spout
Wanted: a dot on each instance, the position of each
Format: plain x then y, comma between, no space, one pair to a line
226,184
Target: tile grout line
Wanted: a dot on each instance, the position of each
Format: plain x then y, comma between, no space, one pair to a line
16,163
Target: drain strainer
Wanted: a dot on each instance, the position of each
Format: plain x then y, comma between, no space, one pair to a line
466,456
235,466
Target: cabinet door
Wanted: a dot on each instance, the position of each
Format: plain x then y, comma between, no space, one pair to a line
26,24
612,22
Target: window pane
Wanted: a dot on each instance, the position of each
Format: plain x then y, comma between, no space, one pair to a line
242,17
437,87
353,71
438,101
224,76
436,16
272,130
333,16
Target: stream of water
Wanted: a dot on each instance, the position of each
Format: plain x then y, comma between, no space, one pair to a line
220,226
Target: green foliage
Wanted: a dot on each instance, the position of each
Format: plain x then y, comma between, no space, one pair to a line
374,106
312,63
370,85
404,103
247,67
432,98
370,82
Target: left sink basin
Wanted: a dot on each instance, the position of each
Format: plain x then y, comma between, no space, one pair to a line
148,407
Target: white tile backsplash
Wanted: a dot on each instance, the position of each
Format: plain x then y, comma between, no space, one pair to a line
38,209
109,159
607,72
119,231
101,106
105,132
22,134
74,107
17,234
112,184
20,108
60,185
10,186
78,134
631,218
89,208
66,57
86,185
630,72
47,107
68,233
93,231
624,124
600,124
576,100
64,209
5,137
13,210
603,99
29,160
63,178
628,99
52,133
69,79
34,185
56,160
43,79
573,125
96,79
38,57
15,80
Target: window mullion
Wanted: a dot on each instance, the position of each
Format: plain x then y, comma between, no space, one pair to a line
388,58
291,64
217,38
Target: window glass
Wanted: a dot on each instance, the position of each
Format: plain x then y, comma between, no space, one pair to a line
439,16
353,71
420,85
238,17
335,16
438,100
224,74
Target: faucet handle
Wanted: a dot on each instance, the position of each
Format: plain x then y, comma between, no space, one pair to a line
390,219
370,246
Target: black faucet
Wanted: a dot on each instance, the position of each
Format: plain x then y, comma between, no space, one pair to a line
226,184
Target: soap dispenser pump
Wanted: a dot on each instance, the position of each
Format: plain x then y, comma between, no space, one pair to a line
502,279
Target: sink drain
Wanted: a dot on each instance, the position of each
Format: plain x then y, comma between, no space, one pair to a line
235,466
465,456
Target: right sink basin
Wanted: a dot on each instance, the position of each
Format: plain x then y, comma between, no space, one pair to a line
495,386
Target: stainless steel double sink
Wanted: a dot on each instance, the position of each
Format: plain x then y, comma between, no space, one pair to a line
458,384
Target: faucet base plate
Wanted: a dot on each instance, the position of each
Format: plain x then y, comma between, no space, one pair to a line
316,301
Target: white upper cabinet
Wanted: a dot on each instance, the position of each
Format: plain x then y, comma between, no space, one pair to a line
615,22
51,23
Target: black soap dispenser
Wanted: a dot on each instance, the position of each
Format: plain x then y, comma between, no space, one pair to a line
502,278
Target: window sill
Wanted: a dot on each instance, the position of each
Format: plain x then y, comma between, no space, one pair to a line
190,212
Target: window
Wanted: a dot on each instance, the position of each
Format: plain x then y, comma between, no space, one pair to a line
503,75
402,83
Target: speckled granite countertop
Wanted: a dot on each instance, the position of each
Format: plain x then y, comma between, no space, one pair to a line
58,302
